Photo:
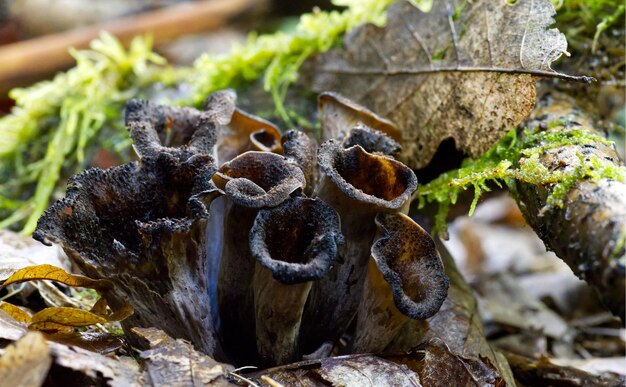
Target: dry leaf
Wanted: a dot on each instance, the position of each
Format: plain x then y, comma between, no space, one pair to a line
16,312
10,329
171,362
86,368
26,362
53,273
431,364
53,319
18,251
464,70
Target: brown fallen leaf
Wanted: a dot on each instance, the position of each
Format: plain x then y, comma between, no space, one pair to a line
26,362
430,364
16,312
465,70
542,372
53,273
171,362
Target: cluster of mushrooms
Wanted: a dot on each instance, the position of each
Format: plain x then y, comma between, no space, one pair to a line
257,248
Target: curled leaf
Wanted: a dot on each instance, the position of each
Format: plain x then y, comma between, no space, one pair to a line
62,318
53,273
16,312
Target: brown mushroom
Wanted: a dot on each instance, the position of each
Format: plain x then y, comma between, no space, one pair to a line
405,280
142,226
339,115
251,181
357,184
294,244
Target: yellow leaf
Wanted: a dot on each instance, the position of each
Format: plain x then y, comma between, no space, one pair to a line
53,273
58,318
16,312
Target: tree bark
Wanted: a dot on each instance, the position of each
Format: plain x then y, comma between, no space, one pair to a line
588,232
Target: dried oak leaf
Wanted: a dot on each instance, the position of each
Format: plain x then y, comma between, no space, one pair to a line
465,70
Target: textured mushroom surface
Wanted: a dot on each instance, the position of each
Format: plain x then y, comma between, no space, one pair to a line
294,244
357,184
133,225
231,254
405,280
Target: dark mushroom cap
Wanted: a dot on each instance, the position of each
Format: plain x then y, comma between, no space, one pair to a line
259,179
408,260
371,140
368,178
157,129
297,240
338,115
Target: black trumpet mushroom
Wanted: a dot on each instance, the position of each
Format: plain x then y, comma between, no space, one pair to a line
258,248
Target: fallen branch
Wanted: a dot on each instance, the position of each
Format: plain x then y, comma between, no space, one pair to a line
586,224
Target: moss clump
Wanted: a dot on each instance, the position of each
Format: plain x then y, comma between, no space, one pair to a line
517,157
54,122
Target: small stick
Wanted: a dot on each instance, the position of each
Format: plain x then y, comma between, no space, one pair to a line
46,54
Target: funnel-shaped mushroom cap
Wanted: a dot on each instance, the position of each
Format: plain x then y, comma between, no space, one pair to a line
297,241
371,140
375,180
157,128
129,224
259,179
408,260
338,115
247,132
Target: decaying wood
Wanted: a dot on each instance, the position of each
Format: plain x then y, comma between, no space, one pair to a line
589,231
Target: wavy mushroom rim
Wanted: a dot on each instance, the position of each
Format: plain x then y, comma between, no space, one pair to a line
358,174
362,114
297,215
371,140
156,129
395,228
259,179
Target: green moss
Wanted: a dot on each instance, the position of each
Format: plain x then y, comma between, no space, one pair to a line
55,122
517,158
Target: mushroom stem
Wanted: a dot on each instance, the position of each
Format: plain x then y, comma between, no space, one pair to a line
294,244
405,280
357,184
251,181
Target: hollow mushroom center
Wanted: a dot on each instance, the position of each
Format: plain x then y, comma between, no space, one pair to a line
289,234
264,169
374,175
